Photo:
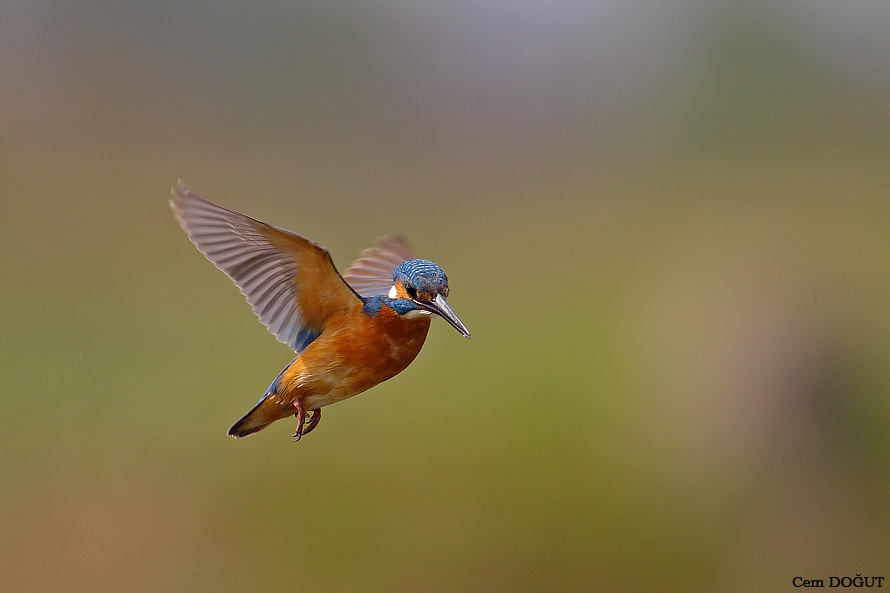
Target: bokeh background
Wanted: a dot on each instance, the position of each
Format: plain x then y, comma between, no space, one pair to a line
665,223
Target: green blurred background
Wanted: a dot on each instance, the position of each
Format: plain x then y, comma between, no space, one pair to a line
665,223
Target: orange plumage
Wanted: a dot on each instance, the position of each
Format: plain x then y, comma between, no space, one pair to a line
349,334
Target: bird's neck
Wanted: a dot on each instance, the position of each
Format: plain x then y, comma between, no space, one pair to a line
405,308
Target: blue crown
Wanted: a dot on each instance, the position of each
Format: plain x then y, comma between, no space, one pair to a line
421,275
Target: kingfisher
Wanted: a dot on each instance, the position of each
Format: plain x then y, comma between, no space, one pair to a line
349,332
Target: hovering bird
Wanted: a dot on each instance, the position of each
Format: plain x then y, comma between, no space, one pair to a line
350,332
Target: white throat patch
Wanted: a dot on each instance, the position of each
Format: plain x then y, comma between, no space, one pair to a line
392,292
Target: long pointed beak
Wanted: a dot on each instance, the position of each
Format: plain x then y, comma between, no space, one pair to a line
440,307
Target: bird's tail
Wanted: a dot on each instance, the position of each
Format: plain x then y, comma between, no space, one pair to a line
269,409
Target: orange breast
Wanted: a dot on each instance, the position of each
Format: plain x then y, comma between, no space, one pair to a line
354,353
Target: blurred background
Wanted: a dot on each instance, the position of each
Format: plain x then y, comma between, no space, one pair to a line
665,223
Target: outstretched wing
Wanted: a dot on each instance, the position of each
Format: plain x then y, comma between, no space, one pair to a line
371,273
290,281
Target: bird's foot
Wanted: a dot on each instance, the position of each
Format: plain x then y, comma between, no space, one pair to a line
304,427
313,422
300,413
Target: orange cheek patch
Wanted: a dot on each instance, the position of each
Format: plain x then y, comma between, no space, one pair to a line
400,292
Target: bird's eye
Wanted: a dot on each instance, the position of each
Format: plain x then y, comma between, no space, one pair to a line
412,292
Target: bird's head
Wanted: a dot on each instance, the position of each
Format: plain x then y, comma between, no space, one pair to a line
425,284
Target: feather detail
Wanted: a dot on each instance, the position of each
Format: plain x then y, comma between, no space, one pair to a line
371,274
269,265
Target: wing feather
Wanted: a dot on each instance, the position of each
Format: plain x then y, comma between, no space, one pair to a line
371,273
290,282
